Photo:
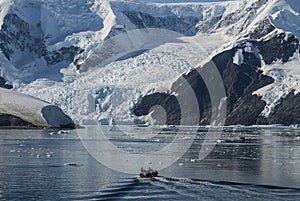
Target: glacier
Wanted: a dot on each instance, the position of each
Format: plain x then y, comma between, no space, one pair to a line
58,56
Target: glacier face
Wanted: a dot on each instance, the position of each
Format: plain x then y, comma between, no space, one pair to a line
44,43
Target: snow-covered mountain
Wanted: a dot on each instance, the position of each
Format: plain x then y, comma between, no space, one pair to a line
34,114
115,60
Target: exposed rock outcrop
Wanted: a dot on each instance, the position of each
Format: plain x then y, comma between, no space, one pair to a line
20,110
241,75
23,44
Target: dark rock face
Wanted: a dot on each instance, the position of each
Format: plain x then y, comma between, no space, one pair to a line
288,111
14,31
4,84
56,118
207,25
240,81
10,121
8,86
249,15
281,46
184,25
264,27
64,54
167,101
18,39
250,105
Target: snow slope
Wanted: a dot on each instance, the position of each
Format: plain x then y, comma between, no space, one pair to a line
96,93
111,90
285,16
286,76
32,110
107,89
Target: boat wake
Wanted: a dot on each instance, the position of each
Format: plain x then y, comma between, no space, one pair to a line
171,188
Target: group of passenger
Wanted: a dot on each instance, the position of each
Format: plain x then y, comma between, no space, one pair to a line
148,173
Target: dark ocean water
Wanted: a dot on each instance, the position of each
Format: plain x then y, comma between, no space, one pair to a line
246,164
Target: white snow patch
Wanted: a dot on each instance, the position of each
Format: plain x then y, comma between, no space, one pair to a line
238,58
4,8
109,20
287,79
283,14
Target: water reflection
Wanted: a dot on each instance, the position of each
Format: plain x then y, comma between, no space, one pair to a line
41,165
263,157
280,159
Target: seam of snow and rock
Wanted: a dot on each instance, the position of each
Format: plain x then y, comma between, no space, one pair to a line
152,71
32,110
90,94
286,79
4,8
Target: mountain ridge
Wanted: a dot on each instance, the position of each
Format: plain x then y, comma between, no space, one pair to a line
223,28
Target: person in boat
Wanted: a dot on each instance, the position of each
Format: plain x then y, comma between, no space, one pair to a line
148,173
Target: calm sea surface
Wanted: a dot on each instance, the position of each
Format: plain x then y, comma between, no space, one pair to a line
246,164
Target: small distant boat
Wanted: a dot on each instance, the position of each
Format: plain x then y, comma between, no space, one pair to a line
150,173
